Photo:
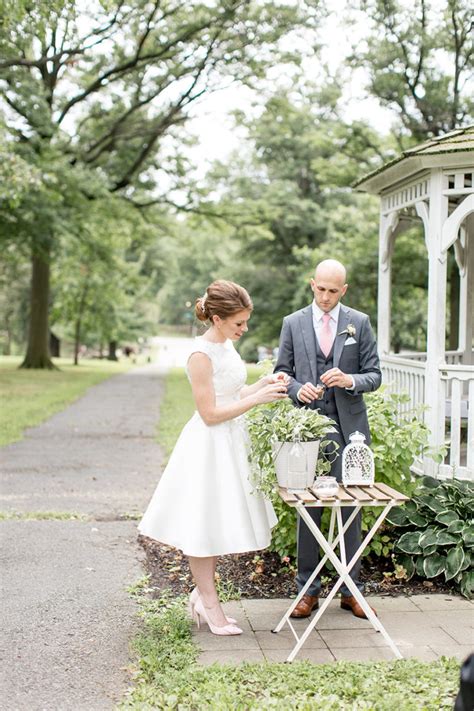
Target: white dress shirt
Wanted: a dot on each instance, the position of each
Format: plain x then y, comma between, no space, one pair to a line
318,319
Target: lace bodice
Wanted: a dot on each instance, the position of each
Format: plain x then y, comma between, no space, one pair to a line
229,372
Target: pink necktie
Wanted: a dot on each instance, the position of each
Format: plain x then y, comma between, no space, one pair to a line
325,336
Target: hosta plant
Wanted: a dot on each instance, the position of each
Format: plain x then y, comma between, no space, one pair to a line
282,422
438,532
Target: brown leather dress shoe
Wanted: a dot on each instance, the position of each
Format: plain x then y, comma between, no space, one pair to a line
306,605
350,603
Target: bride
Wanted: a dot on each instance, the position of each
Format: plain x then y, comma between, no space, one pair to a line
204,504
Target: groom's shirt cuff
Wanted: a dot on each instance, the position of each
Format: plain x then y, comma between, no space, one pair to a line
352,388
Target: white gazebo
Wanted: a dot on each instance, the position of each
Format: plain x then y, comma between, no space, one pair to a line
433,182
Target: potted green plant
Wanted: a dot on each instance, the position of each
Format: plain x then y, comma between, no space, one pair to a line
273,429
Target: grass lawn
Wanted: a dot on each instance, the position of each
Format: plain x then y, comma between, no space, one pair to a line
31,396
169,677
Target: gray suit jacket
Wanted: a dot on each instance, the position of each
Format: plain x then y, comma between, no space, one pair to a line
297,358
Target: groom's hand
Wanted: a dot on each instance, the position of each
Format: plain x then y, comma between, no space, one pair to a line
309,392
336,378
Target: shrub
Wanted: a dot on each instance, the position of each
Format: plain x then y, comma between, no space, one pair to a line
439,534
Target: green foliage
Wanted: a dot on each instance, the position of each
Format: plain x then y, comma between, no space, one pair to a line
283,422
169,677
438,537
401,53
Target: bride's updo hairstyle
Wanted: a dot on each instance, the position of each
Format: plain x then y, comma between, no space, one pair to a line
222,298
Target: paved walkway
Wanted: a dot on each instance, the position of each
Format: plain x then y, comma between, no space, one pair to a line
67,618
423,626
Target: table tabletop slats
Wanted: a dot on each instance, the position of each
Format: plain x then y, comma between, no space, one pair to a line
386,489
359,494
305,496
287,496
376,495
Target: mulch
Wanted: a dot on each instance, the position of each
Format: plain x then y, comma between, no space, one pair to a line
266,575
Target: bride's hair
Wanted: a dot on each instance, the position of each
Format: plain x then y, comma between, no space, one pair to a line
222,298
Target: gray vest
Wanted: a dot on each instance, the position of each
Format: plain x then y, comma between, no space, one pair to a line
327,405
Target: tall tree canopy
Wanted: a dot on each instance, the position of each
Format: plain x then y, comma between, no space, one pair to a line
89,98
420,59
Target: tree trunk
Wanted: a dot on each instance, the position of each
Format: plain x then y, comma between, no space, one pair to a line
78,327
112,348
37,353
54,345
7,349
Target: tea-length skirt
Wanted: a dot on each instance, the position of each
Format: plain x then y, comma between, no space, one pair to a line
203,503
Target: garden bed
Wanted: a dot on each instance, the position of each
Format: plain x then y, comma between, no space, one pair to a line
265,575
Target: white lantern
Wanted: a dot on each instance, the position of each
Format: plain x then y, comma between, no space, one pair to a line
357,462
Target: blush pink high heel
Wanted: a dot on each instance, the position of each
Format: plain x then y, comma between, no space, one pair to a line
225,631
192,601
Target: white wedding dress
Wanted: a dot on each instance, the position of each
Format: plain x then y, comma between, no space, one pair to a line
204,503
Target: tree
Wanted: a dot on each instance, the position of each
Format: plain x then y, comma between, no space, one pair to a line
282,198
420,61
98,97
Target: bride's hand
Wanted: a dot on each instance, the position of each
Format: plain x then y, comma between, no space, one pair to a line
276,378
271,392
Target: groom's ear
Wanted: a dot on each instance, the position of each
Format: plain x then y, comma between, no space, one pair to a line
344,289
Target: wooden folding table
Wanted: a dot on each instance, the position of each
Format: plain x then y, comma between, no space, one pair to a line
379,495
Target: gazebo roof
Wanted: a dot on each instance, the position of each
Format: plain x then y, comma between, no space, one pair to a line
448,151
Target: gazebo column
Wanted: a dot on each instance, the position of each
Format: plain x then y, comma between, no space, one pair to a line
435,397
384,301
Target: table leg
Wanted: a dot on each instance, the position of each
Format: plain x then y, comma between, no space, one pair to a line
344,570
333,544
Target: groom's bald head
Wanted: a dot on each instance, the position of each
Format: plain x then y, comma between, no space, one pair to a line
332,269
329,284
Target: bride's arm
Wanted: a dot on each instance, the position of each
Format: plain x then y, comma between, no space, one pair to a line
200,373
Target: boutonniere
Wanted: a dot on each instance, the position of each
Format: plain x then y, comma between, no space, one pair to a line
350,330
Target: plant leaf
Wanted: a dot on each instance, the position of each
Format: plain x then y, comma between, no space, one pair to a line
409,542
467,584
398,517
456,526
446,539
429,537
431,502
416,518
468,535
434,565
454,562
447,517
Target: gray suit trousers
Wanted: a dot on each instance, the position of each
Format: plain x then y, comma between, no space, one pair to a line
308,549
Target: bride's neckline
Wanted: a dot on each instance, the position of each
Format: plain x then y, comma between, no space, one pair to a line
214,343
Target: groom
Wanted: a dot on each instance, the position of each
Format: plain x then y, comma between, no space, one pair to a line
331,344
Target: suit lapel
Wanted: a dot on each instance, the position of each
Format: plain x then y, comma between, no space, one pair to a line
339,341
309,338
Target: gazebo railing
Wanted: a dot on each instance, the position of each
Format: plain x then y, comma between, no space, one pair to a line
452,357
459,420
403,374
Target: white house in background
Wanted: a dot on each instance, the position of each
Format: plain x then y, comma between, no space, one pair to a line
433,182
